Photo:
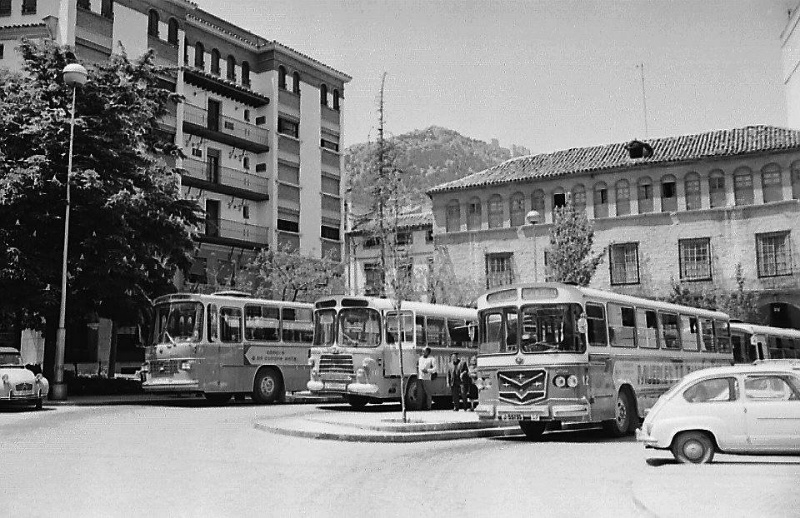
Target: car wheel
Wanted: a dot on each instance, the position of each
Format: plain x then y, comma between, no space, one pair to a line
217,398
413,401
533,430
357,402
693,448
267,387
623,416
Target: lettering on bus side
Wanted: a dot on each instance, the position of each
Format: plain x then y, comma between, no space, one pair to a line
257,355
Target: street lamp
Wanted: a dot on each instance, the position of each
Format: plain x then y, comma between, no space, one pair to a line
532,218
74,75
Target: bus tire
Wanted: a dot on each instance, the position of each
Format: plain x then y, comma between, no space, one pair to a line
533,430
357,402
692,448
267,387
623,416
217,398
413,401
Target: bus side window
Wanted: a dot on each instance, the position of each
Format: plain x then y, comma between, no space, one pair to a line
422,338
230,325
621,325
459,333
773,344
213,323
647,328
670,333
434,331
690,333
262,323
739,351
722,331
297,325
492,331
596,320
707,330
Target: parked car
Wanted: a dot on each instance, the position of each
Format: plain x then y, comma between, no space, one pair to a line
747,409
17,383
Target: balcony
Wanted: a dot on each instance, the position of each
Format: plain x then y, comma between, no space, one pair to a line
225,180
233,233
225,87
224,129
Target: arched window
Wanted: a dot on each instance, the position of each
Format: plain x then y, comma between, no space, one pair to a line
282,77
496,211
199,55
296,83
231,72
537,202
323,94
172,31
246,115
516,209
152,23
336,100
691,187
796,180
716,189
245,73
645,195
453,222
474,214
743,186
559,199
669,194
771,182
185,51
623,197
215,61
246,163
579,197
601,200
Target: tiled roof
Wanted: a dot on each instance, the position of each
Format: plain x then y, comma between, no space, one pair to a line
713,144
404,221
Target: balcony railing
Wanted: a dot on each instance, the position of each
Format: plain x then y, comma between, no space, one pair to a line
225,129
234,232
226,179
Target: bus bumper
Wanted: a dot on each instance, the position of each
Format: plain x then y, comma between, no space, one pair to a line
366,389
340,387
170,385
564,412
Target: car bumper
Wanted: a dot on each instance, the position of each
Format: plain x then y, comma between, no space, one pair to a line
648,440
20,398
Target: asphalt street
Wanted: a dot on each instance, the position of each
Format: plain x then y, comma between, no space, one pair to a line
187,458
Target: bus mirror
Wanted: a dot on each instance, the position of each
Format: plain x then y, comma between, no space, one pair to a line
582,323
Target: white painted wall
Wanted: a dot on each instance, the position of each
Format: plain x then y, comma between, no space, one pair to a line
130,27
310,168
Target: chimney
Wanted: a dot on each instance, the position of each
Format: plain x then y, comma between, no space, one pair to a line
638,149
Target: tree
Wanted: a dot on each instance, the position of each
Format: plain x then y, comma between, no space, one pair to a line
285,274
446,287
738,304
130,227
570,257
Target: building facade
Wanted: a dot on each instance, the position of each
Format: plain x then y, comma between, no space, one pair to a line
690,209
790,61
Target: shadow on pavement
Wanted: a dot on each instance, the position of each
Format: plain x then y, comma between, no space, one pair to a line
658,462
591,435
22,409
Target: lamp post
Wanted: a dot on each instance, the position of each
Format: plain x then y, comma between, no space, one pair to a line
532,218
74,75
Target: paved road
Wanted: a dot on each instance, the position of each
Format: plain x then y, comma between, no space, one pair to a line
185,458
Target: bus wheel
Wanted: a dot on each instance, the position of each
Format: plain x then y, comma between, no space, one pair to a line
413,401
692,447
623,416
532,429
357,402
217,398
267,387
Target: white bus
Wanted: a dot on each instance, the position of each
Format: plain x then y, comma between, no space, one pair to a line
356,349
753,342
228,344
554,356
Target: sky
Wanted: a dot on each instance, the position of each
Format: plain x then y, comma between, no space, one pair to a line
545,74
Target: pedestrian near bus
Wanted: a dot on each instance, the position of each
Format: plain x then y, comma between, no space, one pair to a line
455,380
471,387
426,373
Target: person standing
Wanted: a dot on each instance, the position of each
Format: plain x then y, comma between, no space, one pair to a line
426,372
455,380
470,388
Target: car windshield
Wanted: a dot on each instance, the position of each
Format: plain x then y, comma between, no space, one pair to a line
178,322
10,359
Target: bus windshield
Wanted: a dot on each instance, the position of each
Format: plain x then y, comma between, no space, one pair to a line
324,327
359,327
178,322
551,328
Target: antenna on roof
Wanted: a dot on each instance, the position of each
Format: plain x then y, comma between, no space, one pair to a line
640,66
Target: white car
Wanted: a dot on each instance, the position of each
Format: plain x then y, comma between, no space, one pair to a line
748,409
18,384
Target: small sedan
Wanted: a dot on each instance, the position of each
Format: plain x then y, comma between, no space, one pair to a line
746,409
18,384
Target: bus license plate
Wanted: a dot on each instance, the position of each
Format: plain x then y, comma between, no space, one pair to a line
519,417
335,386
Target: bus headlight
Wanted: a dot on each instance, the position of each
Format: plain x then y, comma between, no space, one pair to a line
312,362
559,381
361,376
483,383
572,381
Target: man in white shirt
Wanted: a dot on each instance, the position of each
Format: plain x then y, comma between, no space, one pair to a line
426,371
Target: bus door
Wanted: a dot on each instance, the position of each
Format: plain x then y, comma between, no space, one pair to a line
230,349
391,353
758,346
620,331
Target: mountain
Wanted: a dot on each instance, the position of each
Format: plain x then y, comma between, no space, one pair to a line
427,158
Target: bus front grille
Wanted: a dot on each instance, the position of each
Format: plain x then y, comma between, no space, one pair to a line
336,364
521,387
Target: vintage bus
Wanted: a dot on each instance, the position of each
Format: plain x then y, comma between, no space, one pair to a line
753,342
228,344
356,349
555,356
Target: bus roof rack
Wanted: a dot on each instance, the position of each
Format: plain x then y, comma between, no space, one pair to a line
233,293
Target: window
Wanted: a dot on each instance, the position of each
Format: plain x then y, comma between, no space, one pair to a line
694,257
559,200
323,94
199,55
621,325
152,23
245,73
230,325
516,209
298,325
716,189
288,127
230,73
596,324
743,186
288,225
601,200
537,202
435,331
246,115
579,197
336,100
328,232
669,195
28,6
722,332
2,50
769,387
500,331
245,211
707,335
499,270
647,328
623,197
428,237
107,8
645,195
213,323
690,335
172,31
459,331
712,390
771,183
373,279
453,220
670,333
5,7
495,211
474,214
774,254
404,238
796,180
329,144
282,77
624,263
261,323
296,83
215,57
85,4
691,186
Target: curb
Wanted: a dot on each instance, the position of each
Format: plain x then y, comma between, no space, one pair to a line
134,399
413,427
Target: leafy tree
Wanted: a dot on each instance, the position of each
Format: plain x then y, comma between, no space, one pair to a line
130,228
570,257
738,304
446,287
